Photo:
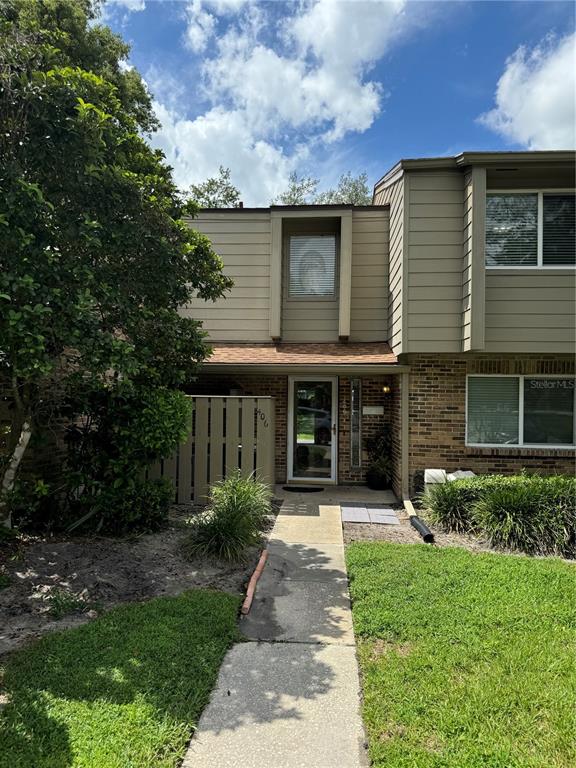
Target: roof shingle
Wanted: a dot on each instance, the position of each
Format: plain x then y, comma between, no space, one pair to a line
302,354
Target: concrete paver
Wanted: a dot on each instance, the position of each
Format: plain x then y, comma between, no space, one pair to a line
282,705
355,515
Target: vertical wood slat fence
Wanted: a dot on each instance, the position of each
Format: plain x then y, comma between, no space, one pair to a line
227,433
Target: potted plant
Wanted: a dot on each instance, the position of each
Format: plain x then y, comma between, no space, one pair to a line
379,472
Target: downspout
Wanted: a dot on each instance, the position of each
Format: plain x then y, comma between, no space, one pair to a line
415,521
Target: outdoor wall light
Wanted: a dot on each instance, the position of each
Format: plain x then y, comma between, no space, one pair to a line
386,389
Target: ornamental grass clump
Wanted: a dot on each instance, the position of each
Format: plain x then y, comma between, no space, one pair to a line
234,520
535,515
527,513
450,505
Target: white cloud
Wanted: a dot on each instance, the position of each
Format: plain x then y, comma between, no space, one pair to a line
319,81
195,149
535,96
172,88
276,89
132,6
200,26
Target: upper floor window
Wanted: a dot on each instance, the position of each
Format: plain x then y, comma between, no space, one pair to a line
312,266
530,229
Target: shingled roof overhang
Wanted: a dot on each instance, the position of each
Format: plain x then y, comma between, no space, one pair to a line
374,358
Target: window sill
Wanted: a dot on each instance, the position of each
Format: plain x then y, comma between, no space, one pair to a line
569,268
514,450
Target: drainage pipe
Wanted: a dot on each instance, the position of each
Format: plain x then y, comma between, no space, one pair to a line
246,605
418,524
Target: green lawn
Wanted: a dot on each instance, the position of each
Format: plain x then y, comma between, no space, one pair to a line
467,659
124,691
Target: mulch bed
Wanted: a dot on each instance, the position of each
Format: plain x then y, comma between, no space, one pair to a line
96,573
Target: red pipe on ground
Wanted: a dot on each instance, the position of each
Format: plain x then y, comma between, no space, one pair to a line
246,605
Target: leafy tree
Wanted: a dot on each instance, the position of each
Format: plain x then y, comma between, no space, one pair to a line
300,191
95,258
216,192
351,190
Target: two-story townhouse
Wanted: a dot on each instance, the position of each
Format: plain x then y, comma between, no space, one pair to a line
443,313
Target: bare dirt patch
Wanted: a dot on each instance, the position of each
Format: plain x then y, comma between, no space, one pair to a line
383,647
405,534
83,576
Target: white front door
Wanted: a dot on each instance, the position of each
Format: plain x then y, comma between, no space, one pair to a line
312,428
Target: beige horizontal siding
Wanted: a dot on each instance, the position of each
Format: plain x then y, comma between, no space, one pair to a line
242,240
530,310
393,195
369,298
466,276
434,253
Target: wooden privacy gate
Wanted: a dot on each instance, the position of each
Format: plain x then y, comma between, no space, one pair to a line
227,433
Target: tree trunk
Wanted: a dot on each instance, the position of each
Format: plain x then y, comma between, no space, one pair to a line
12,469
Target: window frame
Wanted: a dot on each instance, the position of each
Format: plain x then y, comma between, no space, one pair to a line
353,464
540,228
521,444
312,296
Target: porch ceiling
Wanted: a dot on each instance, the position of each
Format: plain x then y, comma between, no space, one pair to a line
374,355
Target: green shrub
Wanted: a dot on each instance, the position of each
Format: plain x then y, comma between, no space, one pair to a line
529,513
380,465
121,433
534,514
34,505
141,506
233,521
450,505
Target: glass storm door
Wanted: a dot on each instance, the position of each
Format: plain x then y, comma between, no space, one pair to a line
312,430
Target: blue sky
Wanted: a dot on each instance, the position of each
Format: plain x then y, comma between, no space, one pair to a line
321,87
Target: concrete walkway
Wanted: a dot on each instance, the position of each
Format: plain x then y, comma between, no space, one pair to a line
290,698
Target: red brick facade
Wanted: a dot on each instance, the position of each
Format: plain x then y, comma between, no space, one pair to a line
277,387
371,424
437,408
437,415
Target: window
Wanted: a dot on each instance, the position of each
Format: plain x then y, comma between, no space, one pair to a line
355,421
559,245
312,266
520,410
530,229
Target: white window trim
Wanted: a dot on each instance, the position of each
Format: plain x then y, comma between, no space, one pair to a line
540,232
521,444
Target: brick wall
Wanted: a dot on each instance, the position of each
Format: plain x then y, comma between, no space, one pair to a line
396,433
437,416
371,425
277,387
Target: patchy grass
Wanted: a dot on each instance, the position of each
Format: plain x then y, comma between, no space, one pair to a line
125,690
467,659
63,603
